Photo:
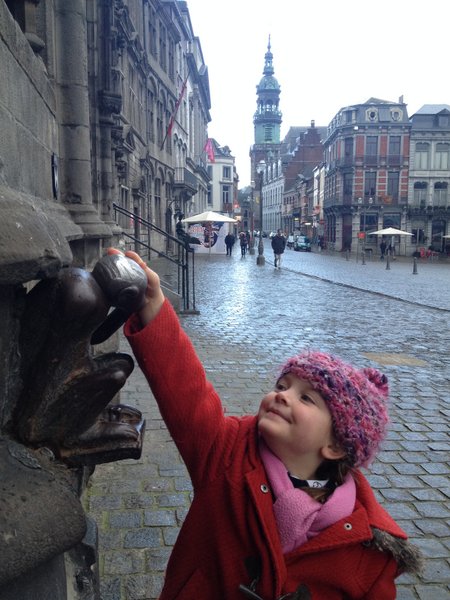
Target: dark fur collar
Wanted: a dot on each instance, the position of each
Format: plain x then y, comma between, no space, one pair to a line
408,557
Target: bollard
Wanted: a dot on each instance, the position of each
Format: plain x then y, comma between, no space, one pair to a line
388,262
363,256
347,254
415,266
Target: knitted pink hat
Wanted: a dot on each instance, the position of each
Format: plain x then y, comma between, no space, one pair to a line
356,399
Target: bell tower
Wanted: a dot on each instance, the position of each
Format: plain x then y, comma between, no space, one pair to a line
267,118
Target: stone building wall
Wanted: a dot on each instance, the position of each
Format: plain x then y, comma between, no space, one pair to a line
84,107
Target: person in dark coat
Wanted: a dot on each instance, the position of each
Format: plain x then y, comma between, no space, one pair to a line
243,242
229,243
278,246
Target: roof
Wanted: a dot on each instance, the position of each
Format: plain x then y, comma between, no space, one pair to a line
432,109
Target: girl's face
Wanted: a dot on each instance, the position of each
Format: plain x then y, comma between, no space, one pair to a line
296,425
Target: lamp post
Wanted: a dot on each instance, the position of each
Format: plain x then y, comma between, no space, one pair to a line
251,205
260,260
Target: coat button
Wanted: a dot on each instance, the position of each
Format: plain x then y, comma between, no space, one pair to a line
348,526
264,488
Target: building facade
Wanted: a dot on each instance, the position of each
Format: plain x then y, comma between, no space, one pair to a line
223,186
429,178
102,104
367,159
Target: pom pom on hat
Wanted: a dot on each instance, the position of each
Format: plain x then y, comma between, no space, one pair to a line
356,399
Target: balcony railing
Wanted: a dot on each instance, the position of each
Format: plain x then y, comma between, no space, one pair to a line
369,160
376,203
184,178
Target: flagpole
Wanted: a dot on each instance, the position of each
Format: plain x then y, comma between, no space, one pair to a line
175,111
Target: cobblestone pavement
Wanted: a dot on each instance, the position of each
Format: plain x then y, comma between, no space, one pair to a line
251,319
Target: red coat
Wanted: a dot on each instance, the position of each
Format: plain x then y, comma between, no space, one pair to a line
229,536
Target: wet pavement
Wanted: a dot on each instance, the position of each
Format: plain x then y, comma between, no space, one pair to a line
251,319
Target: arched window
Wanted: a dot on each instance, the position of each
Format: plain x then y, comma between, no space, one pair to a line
440,193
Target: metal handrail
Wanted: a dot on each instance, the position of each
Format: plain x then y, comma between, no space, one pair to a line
182,256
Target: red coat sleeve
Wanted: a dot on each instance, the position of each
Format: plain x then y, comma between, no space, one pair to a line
188,403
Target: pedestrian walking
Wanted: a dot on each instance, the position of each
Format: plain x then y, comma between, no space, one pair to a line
243,243
229,243
280,505
278,246
383,247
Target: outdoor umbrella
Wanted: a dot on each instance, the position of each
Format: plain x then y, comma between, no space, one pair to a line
390,231
210,217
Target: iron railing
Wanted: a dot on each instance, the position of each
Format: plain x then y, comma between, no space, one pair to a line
176,270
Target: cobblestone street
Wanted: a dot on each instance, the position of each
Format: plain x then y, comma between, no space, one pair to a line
251,319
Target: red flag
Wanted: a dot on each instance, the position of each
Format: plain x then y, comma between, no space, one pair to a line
175,110
209,148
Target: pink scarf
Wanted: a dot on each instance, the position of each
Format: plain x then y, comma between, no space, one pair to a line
298,516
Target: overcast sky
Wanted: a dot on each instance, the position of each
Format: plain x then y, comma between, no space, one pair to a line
326,55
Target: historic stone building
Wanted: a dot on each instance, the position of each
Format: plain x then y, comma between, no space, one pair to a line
223,187
384,169
367,159
301,152
102,105
429,177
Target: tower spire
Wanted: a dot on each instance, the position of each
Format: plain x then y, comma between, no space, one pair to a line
267,118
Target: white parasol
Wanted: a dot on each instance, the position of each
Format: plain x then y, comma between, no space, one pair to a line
390,231
209,216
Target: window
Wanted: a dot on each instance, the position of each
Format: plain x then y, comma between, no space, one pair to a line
226,173
348,185
152,32
394,145
368,221
157,212
440,193
393,184
418,236
420,193
443,120
150,116
421,158
370,183
392,220
268,133
124,220
159,123
225,194
441,161
348,151
162,46
348,116
371,149
171,59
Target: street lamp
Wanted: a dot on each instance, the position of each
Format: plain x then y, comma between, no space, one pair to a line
260,260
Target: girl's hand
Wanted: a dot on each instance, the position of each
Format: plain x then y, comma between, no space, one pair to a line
153,295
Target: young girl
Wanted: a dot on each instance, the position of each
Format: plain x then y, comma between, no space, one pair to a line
280,507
